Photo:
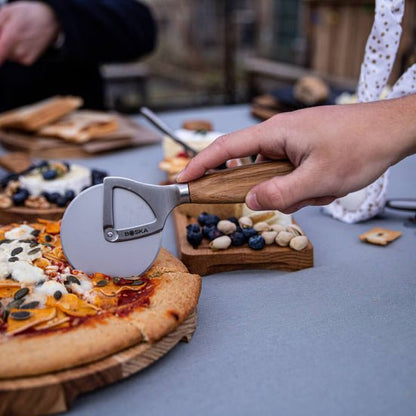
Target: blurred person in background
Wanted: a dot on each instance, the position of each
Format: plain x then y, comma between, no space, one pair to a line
55,47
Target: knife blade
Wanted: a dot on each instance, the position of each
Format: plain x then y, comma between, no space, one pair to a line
116,227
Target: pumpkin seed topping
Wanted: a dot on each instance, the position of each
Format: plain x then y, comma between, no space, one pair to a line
102,283
5,241
30,305
57,295
48,238
20,315
14,304
33,243
5,315
34,251
35,233
13,259
16,251
138,282
21,293
72,279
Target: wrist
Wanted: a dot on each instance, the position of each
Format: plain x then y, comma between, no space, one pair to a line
403,111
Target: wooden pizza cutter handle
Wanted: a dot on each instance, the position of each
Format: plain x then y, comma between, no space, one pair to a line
232,185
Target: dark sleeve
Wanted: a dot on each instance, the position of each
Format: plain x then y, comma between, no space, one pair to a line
104,30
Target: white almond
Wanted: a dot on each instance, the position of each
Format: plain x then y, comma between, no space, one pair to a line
226,227
245,222
269,236
277,227
299,242
261,226
220,243
283,238
295,229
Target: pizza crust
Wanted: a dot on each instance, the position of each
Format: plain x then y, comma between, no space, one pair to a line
175,297
44,353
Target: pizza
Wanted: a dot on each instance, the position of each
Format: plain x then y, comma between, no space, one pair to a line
54,317
81,126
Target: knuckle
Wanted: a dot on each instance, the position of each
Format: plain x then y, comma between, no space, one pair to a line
273,197
220,142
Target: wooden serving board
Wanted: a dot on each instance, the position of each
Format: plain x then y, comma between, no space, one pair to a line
129,134
53,393
204,261
17,214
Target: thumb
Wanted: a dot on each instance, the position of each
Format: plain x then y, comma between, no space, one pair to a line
283,192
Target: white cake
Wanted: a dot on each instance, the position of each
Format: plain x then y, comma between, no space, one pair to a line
77,178
196,139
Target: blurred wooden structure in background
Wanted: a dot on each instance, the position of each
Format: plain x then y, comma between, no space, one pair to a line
335,34
216,51
337,31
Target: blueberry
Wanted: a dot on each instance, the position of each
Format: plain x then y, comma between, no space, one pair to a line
49,174
237,238
69,195
97,176
206,229
202,218
256,242
212,219
29,169
194,238
249,232
20,196
46,195
6,179
214,233
234,220
61,201
193,228
52,197
43,164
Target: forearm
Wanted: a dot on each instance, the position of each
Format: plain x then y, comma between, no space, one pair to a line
402,115
335,150
104,30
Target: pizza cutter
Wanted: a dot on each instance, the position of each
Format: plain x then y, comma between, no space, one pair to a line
116,227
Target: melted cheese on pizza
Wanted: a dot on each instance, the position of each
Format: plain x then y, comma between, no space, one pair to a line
35,276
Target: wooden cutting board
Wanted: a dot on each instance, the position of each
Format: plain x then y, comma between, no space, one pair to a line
129,134
17,214
204,261
53,393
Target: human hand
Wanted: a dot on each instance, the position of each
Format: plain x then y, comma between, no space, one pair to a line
335,150
27,28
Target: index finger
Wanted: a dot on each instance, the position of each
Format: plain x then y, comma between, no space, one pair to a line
238,144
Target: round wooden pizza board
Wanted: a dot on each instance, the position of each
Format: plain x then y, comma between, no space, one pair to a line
54,393
16,214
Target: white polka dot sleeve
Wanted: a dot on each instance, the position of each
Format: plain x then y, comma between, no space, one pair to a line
380,53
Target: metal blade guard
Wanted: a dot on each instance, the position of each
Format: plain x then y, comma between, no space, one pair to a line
161,200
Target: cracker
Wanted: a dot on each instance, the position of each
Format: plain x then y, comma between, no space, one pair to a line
197,125
81,126
380,236
33,117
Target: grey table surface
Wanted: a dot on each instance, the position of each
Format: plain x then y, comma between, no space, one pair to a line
335,339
